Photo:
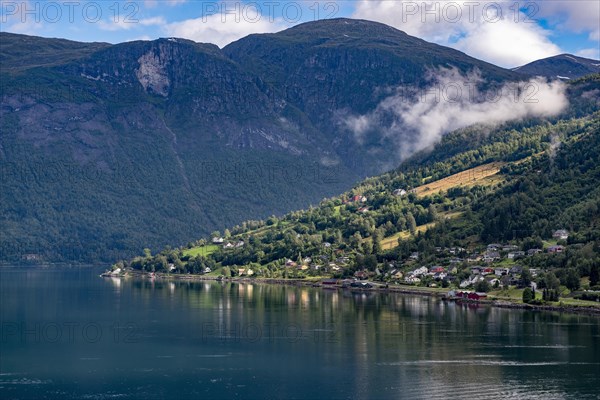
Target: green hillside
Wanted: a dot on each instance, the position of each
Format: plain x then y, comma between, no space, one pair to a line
516,188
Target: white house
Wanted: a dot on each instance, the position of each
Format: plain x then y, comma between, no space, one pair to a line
562,234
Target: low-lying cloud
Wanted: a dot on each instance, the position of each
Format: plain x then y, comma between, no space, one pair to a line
416,119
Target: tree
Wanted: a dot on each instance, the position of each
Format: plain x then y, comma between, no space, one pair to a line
411,222
432,213
528,295
572,279
483,286
594,274
552,281
525,278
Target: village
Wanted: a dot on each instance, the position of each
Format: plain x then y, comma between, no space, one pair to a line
473,273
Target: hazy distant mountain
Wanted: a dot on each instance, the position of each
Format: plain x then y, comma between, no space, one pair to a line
564,66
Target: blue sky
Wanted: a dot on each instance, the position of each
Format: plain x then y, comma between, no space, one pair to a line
505,33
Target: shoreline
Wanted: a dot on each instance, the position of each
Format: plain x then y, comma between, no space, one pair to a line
376,288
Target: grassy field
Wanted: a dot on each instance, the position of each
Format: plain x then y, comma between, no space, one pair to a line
201,250
392,241
482,175
336,210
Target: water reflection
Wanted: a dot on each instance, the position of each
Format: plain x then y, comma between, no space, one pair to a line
205,339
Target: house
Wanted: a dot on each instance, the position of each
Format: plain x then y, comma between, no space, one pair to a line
469,295
170,267
289,263
419,271
228,246
473,258
437,269
397,274
245,272
510,247
302,267
307,260
400,192
476,270
514,254
207,270
414,256
326,244
501,271
361,274
477,296
456,250
532,252
334,267
491,256
487,271
516,270
240,244
494,247
218,240
439,275
561,234
556,249
359,199
412,280
363,210
456,260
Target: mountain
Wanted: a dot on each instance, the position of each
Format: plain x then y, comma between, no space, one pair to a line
331,69
508,198
106,148
563,66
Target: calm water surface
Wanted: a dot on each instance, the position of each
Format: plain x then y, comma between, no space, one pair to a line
67,333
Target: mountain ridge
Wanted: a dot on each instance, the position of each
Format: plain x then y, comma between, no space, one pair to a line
562,66
182,139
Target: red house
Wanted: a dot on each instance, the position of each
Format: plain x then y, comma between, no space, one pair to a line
470,295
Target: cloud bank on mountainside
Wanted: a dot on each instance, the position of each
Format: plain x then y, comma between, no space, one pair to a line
417,119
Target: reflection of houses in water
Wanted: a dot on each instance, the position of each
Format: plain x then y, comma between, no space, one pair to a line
304,298
245,290
116,282
291,297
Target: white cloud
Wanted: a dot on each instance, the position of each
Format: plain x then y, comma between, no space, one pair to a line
481,29
154,3
451,102
589,53
222,29
581,16
508,44
124,24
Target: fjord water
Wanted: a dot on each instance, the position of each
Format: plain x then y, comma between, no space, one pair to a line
67,333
